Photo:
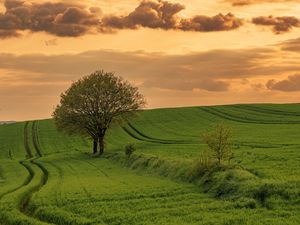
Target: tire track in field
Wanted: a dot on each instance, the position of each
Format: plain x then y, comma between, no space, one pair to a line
27,193
136,134
26,140
35,139
29,169
235,118
58,195
24,202
151,138
26,181
43,181
267,111
266,115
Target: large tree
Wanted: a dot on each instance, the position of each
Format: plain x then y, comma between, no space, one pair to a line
90,105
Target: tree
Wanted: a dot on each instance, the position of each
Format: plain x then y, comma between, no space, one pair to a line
219,142
91,104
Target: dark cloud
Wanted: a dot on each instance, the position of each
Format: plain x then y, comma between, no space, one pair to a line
250,2
164,15
70,20
219,22
9,4
292,83
279,24
212,71
60,19
152,14
8,33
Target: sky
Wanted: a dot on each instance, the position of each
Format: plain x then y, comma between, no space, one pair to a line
179,53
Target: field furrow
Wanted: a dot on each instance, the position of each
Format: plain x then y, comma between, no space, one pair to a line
227,114
26,141
35,139
269,111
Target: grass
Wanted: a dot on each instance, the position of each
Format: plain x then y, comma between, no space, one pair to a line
47,177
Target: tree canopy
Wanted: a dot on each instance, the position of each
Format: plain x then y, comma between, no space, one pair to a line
90,105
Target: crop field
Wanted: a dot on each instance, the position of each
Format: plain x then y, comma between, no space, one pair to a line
47,177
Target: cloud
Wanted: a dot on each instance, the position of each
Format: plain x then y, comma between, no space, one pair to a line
292,45
219,22
292,83
73,20
152,14
213,77
60,19
8,33
188,85
279,24
164,15
250,2
150,70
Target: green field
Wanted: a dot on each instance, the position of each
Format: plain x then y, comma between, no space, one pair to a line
47,177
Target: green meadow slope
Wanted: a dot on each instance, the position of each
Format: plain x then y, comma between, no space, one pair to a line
47,177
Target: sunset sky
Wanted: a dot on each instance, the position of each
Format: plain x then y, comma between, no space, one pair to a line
179,53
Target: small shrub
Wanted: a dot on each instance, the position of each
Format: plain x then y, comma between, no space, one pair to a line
219,143
129,149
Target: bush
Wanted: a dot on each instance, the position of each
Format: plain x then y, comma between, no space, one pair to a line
219,143
129,149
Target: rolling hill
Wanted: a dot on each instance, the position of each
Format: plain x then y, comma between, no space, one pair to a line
47,177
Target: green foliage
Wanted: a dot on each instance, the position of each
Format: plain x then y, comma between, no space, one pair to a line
201,165
129,149
10,154
219,143
89,106
60,217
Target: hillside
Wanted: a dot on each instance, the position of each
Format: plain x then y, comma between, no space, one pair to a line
47,177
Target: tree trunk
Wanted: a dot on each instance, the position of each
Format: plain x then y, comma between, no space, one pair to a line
95,146
101,144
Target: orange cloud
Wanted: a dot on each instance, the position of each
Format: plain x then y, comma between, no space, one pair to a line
71,20
163,15
151,70
279,24
290,45
292,83
60,19
30,84
152,14
250,2
219,22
